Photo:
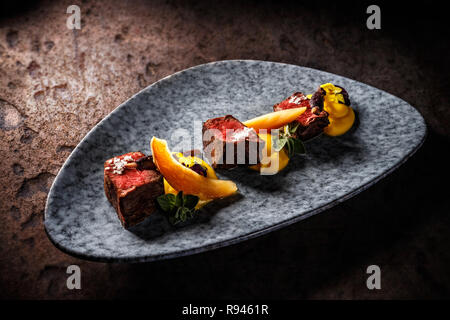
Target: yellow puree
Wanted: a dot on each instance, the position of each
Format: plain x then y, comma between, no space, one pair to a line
341,116
268,164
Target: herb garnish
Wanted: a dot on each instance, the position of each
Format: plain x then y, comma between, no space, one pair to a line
287,139
178,208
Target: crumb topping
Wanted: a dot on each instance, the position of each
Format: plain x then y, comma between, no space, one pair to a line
118,164
295,99
240,134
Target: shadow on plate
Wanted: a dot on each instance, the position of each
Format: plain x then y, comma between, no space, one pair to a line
157,224
152,227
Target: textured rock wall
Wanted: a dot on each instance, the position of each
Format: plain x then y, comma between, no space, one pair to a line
56,84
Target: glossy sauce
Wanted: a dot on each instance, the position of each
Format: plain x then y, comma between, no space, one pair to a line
341,116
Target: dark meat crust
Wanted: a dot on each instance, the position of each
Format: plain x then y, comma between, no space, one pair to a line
345,95
317,99
311,124
145,163
215,147
134,204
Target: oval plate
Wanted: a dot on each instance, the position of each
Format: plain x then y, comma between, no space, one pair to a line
80,221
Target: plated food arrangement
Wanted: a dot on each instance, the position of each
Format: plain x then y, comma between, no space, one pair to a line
81,221
181,182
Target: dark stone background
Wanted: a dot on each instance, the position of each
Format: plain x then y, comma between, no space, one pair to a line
55,84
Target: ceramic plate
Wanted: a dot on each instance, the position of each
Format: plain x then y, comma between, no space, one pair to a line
80,221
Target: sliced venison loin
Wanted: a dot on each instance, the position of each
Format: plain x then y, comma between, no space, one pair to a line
313,120
132,185
227,143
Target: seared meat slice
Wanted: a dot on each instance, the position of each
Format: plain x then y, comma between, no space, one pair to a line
313,120
227,143
132,185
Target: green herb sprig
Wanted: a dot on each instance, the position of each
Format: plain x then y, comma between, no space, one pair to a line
288,141
178,208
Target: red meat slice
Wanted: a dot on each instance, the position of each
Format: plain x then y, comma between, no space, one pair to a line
216,142
132,192
312,121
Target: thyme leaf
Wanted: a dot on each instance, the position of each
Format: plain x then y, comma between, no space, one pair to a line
178,208
288,140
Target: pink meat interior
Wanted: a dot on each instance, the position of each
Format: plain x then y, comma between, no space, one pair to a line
130,177
231,129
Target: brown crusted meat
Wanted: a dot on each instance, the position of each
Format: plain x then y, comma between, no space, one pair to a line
313,120
319,96
227,143
132,186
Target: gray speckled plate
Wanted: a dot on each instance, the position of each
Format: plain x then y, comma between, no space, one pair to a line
79,220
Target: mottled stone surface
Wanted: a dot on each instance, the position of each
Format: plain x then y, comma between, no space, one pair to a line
56,84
